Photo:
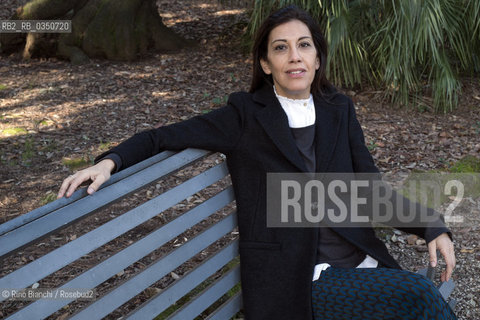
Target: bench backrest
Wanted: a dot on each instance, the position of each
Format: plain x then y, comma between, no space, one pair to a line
210,287
197,289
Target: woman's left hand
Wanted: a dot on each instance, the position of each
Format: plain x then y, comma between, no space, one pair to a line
445,245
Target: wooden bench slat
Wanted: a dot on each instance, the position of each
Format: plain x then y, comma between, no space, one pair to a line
73,250
185,284
214,292
67,215
228,309
156,271
57,204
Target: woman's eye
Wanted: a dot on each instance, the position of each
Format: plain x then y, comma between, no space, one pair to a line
280,47
305,44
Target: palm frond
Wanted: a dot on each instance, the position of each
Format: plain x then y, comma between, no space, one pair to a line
407,47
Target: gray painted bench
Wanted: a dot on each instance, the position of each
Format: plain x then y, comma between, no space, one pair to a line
34,226
196,292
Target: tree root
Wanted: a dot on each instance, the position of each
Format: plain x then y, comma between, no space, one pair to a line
112,29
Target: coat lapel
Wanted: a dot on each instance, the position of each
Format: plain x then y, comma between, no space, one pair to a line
328,122
275,123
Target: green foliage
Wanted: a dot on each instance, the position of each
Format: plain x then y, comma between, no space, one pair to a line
14,131
2,87
409,48
76,163
372,145
429,187
220,100
104,146
468,164
49,197
28,152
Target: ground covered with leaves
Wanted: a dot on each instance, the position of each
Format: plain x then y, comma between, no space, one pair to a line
55,117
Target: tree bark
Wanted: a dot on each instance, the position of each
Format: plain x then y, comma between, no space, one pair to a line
112,29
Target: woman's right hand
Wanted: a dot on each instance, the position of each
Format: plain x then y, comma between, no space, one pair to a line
98,173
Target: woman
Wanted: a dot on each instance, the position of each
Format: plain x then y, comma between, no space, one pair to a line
292,120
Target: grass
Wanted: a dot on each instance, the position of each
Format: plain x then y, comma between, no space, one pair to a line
28,152
14,131
37,123
76,163
372,145
3,87
49,197
468,164
104,146
433,187
220,100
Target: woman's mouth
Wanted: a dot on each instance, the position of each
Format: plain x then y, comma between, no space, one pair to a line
296,72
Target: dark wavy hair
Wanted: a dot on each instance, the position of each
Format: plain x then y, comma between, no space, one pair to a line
320,84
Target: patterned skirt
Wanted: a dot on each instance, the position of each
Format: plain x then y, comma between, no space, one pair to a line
377,293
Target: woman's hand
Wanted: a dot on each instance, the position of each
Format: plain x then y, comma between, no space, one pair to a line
445,245
98,173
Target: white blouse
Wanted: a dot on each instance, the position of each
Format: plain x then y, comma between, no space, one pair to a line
300,112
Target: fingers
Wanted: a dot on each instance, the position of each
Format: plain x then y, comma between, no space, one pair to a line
65,185
71,183
447,274
445,246
77,180
449,256
104,169
98,173
432,252
97,182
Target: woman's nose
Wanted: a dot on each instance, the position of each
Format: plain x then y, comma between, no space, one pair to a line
295,55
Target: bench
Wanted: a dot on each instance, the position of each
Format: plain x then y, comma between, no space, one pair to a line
140,279
34,226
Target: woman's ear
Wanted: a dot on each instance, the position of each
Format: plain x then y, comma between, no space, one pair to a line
317,63
265,66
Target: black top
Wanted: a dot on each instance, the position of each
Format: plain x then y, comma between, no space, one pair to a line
331,248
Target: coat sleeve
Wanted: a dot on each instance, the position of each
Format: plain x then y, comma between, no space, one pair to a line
218,130
361,158
427,223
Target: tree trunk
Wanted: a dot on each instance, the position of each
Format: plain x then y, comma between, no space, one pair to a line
112,29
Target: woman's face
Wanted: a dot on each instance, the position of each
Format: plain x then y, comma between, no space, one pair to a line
291,59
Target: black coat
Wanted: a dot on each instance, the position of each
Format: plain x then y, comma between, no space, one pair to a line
252,131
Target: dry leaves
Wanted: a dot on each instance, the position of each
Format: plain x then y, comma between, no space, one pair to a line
52,110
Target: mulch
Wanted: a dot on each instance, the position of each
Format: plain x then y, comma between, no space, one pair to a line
52,111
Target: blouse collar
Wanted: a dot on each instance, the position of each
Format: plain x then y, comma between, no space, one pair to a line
300,112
